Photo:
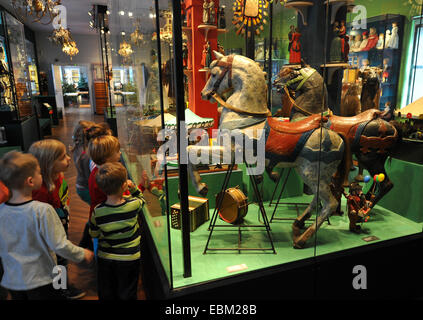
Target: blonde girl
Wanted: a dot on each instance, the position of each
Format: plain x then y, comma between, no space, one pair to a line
54,161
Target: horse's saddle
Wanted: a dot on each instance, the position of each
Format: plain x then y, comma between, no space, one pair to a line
347,126
310,123
286,139
351,128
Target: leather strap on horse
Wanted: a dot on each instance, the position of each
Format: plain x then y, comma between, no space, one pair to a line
238,110
294,104
227,69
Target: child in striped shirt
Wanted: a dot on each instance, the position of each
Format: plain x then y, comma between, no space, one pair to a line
115,223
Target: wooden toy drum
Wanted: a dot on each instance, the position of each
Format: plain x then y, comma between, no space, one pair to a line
234,206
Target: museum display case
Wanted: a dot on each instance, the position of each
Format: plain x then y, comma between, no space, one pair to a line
217,228
19,79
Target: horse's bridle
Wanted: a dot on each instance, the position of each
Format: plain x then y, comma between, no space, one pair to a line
302,78
227,69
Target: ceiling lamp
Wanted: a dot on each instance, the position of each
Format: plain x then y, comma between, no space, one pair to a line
125,49
137,37
70,49
37,9
63,37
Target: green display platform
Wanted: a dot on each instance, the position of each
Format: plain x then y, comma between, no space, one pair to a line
383,224
406,196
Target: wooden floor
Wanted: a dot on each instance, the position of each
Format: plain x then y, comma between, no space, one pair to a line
82,277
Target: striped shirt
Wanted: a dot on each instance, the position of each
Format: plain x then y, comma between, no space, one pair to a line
117,228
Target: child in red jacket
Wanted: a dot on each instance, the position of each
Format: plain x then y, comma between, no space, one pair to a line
54,160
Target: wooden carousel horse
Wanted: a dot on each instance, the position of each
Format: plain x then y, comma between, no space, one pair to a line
367,135
294,145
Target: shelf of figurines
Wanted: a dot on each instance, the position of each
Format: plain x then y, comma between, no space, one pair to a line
298,4
339,1
335,65
206,28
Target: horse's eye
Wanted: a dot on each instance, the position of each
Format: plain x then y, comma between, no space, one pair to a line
213,75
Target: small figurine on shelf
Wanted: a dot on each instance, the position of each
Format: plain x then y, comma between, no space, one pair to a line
394,39
365,40
356,44
345,46
185,55
372,40
220,49
381,42
336,45
222,19
207,56
358,206
365,65
295,51
208,12
386,70
291,32
387,38
183,13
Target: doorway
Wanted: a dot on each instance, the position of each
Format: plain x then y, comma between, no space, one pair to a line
73,86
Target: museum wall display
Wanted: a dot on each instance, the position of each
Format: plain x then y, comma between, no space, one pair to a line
286,113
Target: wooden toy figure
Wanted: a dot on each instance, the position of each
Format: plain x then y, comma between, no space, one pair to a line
295,51
208,12
185,55
365,40
381,41
222,20
291,32
394,39
372,40
386,70
336,45
358,206
345,46
207,56
387,38
356,43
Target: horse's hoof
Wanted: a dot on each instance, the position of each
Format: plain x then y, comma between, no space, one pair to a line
259,178
355,229
203,190
296,233
274,176
298,244
359,178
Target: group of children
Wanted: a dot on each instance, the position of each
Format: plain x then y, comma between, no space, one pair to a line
34,218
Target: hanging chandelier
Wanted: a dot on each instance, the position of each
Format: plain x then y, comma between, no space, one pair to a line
63,37
38,9
137,37
70,49
125,49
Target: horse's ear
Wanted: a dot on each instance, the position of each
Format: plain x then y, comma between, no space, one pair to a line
218,55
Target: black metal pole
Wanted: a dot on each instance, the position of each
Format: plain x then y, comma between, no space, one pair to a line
269,72
159,63
178,78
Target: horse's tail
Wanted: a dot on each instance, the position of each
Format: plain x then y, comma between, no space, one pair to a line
345,164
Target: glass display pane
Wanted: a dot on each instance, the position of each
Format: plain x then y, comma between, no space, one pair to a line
331,74
16,36
136,97
32,67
